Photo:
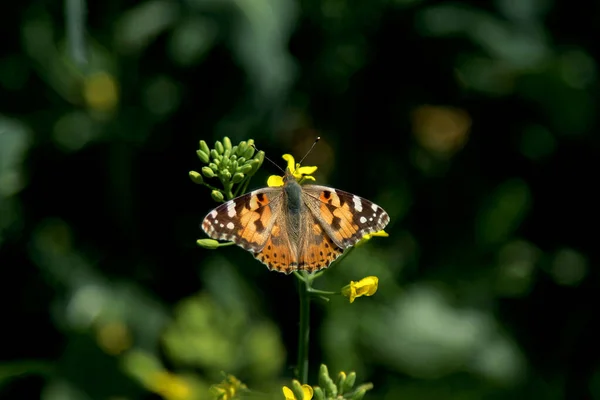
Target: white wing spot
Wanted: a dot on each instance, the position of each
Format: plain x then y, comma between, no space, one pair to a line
357,203
231,210
221,225
363,220
230,225
374,207
214,213
370,219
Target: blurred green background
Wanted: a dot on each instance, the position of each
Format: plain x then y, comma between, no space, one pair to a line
473,123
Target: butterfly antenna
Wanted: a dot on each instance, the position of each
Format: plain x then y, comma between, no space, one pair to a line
311,147
271,161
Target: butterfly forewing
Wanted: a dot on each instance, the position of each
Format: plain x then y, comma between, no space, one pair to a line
246,220
345,217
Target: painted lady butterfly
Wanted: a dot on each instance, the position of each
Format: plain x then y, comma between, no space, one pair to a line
295,227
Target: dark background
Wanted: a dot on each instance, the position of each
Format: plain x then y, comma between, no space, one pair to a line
473,123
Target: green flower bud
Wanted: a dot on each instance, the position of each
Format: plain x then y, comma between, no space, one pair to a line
255,165
237,177
241,160
196,177
256,162
363,388
246,168
224,162
210,244
217,196
358,395
326,382
227,143
341,379
204,147
225,175
233,166
208,172
219,147
214,167
204,157
248,153
215,155
234,151
227,153
260,156
318,393
297,389
241,148
349,382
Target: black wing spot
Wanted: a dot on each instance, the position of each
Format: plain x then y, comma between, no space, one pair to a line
335,223
259,225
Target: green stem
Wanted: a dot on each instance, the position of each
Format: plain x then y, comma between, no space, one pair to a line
242,187
227,187
210,186
317,292
303,333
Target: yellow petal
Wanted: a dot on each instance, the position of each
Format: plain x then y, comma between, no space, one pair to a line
305,170
350,291
308,392
291,163
287,392
368,237
275,181
380,233
367,286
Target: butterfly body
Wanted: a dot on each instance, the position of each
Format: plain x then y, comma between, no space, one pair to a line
295,227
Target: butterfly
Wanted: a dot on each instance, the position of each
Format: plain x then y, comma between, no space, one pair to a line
295,227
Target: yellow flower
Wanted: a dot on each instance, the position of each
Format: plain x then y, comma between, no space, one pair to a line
101,92
289,394
300,173
365,287
368,237
228,389
170,386
114,337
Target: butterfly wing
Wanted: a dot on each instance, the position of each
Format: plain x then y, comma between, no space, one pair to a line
247,220
279,253
316,250
345,217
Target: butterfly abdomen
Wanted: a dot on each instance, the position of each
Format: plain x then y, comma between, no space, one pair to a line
295,208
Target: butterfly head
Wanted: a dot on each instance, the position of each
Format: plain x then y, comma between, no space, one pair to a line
288,176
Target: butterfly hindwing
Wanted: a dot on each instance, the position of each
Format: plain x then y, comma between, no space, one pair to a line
317,249
278,253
